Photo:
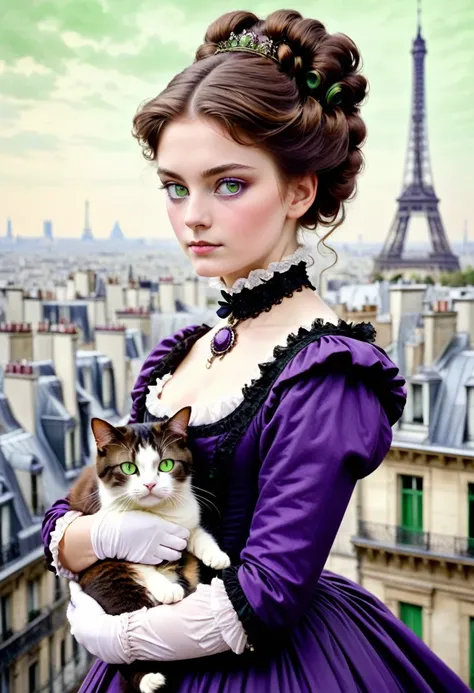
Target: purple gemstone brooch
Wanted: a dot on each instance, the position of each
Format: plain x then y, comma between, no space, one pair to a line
223,341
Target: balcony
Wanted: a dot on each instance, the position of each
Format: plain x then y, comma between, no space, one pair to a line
41,627
386,537
69,679
23,544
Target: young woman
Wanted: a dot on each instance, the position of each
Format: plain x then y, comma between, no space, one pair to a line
259,137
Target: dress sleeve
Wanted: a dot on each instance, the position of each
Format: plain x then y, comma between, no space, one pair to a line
327,431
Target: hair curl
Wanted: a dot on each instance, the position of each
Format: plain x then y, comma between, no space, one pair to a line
270,105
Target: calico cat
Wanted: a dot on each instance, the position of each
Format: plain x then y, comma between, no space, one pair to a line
144,467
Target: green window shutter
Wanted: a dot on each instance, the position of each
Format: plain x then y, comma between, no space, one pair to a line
412,616
411,509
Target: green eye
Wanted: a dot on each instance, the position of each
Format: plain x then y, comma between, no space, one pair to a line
128,468
181,191
166,465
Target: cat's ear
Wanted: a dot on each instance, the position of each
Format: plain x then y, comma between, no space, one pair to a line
104,433
178,423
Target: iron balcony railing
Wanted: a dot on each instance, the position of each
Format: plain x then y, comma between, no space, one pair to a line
70,677
396,536
19,547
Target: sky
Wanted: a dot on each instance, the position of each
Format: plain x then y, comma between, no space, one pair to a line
73,72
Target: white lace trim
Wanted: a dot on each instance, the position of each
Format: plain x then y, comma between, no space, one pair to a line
258,276
226,618
204,413
57,534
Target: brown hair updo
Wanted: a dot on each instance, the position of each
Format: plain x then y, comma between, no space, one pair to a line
270,105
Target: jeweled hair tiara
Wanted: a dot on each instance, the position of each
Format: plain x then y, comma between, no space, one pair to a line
250,42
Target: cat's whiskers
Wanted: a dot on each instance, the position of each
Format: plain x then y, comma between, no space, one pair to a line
168,440
206,502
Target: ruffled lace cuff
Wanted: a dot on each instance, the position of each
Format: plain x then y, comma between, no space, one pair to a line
226,618
56,535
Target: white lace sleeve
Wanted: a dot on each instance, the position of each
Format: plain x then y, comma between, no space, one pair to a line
56,535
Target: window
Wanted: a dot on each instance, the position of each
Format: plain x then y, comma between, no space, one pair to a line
63,654
58,590
70,443
33,682
107,389
411,510
470,519
417,394
5,617
75,649
35,504
5,515
5,681
33,592
412,616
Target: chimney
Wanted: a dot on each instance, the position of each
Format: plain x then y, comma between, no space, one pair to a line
464,308
139,319
81,283
61,293
16,342
19,386
190,292
110,340
405,298
114,299
14,304
33,309
202,295
131,297
43,343
70,289
144,298
64,343
439,328
166,296
414,352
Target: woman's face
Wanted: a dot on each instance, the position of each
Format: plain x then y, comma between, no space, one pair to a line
226,195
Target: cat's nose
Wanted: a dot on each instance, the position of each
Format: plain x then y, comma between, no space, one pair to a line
150,486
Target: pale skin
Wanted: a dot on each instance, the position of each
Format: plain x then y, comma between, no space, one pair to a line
254,219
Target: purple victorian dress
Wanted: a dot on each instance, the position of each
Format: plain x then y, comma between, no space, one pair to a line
283,467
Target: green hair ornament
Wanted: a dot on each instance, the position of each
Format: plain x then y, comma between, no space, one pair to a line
334,95
313,79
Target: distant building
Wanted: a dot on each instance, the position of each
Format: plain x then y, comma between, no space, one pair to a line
48,229
9,229
117,233
87,232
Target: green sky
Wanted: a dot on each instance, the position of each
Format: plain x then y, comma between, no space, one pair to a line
72,73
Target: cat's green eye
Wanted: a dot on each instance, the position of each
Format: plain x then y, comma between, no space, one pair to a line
128,468
166,465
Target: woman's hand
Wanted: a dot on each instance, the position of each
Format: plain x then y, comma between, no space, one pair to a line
137,536
101,634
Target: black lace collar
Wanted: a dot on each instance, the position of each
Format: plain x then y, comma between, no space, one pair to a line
251,302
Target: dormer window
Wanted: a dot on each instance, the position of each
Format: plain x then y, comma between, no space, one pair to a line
70,448
107,389
37,495
417,395
469,426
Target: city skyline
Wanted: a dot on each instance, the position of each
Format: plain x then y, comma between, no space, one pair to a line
71,82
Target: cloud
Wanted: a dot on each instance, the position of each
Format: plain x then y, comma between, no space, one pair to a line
22,143
31,87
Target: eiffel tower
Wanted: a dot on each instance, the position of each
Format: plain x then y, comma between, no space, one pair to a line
418,193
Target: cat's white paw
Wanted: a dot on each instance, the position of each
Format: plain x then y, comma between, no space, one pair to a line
215,558
168,593
151,683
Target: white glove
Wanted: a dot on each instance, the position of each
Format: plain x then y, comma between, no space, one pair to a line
137,536
202,624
